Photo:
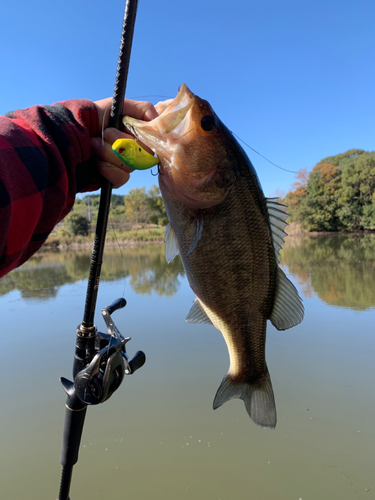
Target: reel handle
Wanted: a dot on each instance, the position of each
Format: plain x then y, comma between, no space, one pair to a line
116,304
137,361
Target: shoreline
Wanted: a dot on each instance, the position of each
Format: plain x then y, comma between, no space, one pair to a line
295,232
87,245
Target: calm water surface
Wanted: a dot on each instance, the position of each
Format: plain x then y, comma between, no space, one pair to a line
158,437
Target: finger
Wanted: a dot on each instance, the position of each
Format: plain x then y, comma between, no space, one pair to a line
116,175
142,110
112,134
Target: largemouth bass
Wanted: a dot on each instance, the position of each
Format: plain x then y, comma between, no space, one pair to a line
229,236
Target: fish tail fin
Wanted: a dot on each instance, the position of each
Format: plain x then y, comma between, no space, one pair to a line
257,396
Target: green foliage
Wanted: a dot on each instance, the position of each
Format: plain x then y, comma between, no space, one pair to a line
138,207
142,207
337,195
93,199
156,205
117,200
77,224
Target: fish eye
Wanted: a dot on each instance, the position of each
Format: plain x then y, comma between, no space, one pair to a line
120,150
139,149
208,123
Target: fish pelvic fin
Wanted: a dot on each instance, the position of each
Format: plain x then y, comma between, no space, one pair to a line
197,229
171,244
258,398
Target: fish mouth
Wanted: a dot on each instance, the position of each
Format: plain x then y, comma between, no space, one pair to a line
174,136
171,126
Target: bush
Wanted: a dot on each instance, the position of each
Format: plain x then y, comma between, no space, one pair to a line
77,224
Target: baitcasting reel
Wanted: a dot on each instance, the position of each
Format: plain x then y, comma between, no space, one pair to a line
101,361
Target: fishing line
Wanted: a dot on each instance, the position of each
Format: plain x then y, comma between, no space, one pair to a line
103,120
152,95
269,161
119,247
239,138
297,171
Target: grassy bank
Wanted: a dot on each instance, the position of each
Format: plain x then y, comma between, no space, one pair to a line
60,239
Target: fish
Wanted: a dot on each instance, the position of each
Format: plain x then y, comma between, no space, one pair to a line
229,236
133,154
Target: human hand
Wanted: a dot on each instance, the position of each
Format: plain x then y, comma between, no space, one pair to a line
109,164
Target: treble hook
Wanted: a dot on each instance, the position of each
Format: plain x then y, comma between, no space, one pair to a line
159,172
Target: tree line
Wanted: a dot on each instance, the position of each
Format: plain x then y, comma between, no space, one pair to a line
337,195
138,207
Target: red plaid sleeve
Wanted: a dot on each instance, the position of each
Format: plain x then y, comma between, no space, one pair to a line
45,159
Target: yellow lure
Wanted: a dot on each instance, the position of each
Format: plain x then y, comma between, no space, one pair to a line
133,155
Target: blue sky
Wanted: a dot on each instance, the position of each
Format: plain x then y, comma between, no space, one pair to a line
293,79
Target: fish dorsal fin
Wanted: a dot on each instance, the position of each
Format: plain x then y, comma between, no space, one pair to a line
197,229
197,315
287,309
171,244
277,214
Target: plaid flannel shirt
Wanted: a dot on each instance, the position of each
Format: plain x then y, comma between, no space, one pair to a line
45,159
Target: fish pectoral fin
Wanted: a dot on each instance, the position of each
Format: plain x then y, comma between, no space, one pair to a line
197,314
277,214
171,244
288,309
257,396
197,229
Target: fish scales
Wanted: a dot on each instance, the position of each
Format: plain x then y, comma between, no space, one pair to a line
220,222
229,276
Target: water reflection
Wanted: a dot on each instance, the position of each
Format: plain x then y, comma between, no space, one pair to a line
43,275
340,269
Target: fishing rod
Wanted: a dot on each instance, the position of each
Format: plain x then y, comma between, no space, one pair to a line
100,360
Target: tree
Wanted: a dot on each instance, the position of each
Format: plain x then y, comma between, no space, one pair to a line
117,200
136,205
77,224
155,201
319,210
294,197
337,195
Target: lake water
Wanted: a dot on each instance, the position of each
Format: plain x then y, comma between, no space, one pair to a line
158,437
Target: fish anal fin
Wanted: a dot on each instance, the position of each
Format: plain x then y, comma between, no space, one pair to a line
287,309
258,398
197,314
171,244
